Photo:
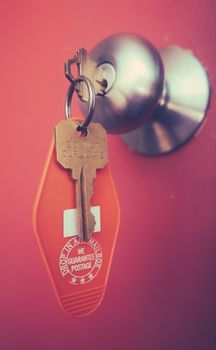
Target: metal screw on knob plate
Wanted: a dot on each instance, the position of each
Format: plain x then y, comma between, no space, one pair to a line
156,98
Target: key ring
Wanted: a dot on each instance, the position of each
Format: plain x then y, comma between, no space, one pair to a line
91,101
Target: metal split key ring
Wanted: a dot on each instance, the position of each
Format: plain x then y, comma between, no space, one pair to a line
91,101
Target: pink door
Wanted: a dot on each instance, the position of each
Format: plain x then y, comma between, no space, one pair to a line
161,291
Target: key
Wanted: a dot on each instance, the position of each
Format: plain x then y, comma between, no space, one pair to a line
83,155
89,69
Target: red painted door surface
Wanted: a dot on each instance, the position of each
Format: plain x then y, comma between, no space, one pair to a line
161,291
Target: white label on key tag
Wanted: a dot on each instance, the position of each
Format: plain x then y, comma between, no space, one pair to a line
70,221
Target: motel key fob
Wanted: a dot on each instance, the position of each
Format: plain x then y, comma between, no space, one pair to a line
76,211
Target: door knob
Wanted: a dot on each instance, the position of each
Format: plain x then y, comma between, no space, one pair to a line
156,98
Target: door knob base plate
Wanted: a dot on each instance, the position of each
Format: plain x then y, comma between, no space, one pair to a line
181,109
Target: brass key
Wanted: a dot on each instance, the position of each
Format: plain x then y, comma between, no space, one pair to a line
88,68
83,155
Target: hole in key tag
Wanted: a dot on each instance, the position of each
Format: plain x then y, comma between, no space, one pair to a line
78,268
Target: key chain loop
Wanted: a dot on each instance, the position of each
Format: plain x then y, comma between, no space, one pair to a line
91,101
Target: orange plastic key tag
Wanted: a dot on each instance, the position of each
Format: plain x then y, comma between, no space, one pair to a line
78,267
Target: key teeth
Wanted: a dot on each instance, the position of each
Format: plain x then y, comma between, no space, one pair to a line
92,224
91,227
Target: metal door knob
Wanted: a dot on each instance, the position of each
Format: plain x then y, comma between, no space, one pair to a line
156,98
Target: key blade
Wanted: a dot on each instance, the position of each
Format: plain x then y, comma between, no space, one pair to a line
80,228
85,219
